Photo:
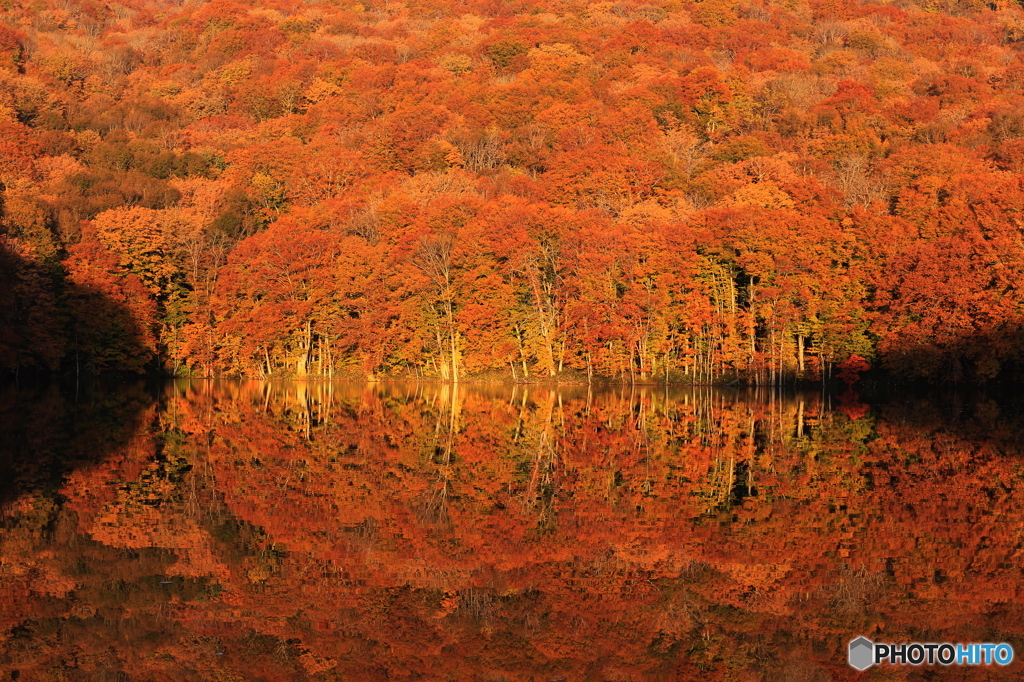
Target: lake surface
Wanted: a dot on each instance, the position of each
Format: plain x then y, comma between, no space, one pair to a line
259,531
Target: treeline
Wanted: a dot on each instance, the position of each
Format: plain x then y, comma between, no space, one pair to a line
693,192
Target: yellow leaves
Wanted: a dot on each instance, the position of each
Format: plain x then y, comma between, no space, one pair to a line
64,67
452,156
438,155
264,184
714,13
165,88
54,169
557,57
456,63
235,72
298,29
271,15
836,63
471,23
22,209
94,85
652,211
198,195
685,151
140,240
87,139
762,194
320,89
424,188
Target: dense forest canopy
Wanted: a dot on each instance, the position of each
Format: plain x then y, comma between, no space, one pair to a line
674,190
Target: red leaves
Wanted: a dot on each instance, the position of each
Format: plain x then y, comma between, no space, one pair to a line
850,369
600,176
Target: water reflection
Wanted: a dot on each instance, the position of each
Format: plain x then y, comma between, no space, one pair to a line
247,531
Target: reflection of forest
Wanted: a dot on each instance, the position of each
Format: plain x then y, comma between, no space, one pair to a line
293,531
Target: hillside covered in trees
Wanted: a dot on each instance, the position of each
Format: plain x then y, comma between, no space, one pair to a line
674,190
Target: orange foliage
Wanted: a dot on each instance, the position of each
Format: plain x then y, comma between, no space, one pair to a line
411,531
734,192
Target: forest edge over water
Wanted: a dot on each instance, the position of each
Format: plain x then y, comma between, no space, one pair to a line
716,192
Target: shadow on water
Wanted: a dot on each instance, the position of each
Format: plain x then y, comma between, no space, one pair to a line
47,432
56,336
993,358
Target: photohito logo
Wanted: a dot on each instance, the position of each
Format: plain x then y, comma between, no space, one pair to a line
863,653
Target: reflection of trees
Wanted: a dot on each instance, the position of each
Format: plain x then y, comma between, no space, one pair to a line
439,453
536,448
383,530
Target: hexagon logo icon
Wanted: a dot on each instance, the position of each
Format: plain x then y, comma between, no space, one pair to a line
862,653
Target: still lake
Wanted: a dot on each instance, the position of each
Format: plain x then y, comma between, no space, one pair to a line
219,530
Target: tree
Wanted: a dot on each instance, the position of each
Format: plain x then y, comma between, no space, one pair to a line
434,260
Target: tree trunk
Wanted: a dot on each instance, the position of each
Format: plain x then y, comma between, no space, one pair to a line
453,336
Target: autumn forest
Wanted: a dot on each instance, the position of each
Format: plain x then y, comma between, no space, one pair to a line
690,192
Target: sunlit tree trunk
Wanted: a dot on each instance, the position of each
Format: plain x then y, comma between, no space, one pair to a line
434,259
